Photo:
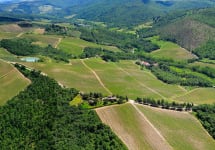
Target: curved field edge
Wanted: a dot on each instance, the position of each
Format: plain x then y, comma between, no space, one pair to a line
12,82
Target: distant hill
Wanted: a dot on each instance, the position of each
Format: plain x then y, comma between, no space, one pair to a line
189,29
113,12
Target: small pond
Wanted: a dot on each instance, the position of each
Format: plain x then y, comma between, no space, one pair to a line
30,59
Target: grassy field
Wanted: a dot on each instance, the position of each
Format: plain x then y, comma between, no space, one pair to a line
130,127
76,46
43,40
199,96
170,50
123,78
12,82
7,35
181,130
5,55
74,75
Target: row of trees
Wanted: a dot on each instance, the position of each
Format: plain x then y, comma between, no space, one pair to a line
40,118
174,75
165,104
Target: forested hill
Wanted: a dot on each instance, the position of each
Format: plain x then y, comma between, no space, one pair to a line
190,29
117,12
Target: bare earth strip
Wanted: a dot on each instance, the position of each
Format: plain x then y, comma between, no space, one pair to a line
58,42
132,128
97,77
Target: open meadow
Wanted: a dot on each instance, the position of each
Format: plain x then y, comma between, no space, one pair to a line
170,50
143,127
12,82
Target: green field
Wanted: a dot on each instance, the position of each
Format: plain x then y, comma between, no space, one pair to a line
12,82
203,64
123,78
43,40
74,75
170,50
199,96
181,130
76,101
5,55
126,123
76,46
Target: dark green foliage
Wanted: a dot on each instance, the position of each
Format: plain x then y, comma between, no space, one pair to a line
24,47
205,70
207,50
206,114
40,118
126,42
173,75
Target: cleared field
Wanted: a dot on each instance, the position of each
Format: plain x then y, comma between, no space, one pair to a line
131,127
181,130
170,50
74,75
199,96
43,40
76,46
12,82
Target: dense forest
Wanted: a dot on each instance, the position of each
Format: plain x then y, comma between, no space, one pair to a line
126,42
206,114
40,118
206,50
24,47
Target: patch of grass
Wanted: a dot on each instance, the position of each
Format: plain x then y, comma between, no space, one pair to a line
12,82
76,46
76,101
181,130
170,50
199,96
